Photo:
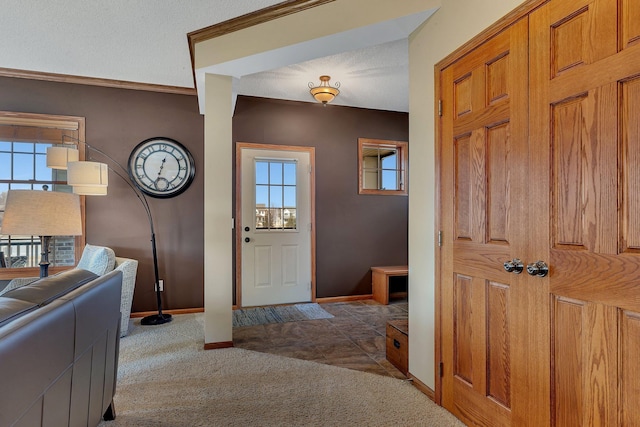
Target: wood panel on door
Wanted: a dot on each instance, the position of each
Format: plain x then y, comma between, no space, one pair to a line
484,146
585,106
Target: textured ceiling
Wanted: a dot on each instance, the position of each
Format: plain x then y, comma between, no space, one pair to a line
374,77
145,41
132,40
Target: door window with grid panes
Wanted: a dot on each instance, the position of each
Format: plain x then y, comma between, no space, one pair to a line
275,194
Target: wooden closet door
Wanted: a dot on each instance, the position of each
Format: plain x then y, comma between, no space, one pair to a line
585,175
492,321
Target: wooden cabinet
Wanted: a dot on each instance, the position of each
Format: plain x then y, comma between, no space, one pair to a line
398,344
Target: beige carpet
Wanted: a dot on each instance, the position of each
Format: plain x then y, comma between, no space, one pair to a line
165,378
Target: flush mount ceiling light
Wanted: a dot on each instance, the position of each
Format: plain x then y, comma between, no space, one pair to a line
324,93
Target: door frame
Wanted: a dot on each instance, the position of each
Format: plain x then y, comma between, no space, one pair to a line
238,208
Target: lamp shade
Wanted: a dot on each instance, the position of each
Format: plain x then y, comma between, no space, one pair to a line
58,157
90,190
87,174
41,213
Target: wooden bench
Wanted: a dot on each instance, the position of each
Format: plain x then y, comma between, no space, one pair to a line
380,280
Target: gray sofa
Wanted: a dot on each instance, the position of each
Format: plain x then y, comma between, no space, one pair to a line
99,260
59,341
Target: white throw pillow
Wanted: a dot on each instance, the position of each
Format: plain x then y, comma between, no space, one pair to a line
97,259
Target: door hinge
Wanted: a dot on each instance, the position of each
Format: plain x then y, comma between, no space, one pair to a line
440,107
310,227
310,169
440,238
441,369
233,223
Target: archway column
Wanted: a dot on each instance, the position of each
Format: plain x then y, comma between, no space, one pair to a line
218,231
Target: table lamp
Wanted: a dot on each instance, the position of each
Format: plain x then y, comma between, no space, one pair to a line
44,214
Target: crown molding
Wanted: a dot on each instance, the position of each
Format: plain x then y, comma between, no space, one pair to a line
235,24
94,81
251,19
248,20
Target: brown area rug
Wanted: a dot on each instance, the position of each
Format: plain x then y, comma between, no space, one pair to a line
279,314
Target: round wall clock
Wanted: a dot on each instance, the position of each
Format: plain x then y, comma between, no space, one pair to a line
161,167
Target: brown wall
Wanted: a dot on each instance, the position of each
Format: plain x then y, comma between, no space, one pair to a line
116,121
354,232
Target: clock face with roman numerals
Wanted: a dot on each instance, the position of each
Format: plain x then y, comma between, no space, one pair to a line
161,167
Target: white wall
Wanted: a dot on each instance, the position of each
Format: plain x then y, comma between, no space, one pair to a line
456,22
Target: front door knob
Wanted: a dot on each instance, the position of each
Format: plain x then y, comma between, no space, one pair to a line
514,266
538,268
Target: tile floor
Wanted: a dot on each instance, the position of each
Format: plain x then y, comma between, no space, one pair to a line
355,338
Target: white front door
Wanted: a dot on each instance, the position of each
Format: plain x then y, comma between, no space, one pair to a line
275,227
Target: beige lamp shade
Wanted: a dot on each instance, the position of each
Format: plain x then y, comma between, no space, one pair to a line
324,94
92,174
90,190
41,213
58,157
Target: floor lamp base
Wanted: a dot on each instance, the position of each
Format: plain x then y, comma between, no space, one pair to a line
156,319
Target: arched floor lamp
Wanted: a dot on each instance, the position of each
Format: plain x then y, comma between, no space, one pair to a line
91,179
